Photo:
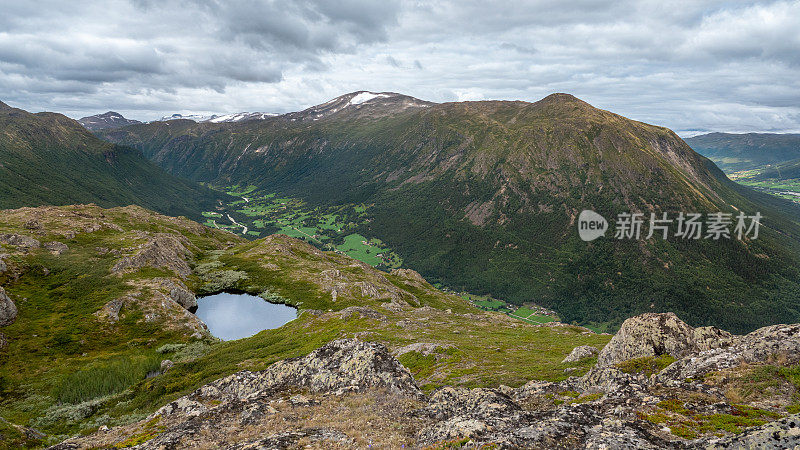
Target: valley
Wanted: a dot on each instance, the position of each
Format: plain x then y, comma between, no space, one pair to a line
481,197
254,214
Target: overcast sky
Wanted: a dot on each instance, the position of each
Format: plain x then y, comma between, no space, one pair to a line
689,65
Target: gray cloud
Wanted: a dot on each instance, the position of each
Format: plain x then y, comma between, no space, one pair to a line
711,65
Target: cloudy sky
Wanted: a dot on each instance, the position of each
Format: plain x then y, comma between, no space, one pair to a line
689,65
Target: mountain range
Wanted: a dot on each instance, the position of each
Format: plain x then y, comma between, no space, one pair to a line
484,197
50,159
737,152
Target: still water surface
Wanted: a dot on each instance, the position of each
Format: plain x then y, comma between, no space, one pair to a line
236,316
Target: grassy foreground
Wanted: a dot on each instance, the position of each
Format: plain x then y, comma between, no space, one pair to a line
68,370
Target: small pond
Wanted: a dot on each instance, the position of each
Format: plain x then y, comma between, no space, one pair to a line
237,316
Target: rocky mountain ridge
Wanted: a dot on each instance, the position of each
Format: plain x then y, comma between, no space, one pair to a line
607,408
110,119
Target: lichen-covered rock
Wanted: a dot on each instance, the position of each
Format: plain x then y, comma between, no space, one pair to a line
479,414
23,242
654,334
760,346
166,365
8,311
361,312
162,250
56,247
318,436
179,292
424,348
783,434
580,353
110,311
340,366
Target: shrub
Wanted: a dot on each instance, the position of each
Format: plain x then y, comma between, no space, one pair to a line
647,365
272,297
169,348
105,378
222,280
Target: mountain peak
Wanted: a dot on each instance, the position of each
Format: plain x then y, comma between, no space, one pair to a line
562,98
366,103
110,119
4,106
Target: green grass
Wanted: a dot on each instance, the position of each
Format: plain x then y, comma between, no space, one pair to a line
102,378
647,365
328,227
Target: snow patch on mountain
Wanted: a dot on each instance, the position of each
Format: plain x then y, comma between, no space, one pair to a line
365,97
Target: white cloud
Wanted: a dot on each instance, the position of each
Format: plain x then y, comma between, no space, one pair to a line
689,65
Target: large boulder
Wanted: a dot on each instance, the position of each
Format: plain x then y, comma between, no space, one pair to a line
179,293
8,311
655,334
580,353
771,343
23,242
162,250
340,366
783,433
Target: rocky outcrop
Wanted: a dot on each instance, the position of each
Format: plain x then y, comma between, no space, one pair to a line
655,334
424,348
23,242
783,433
290,403
110,311
8,311
162,250
772,343
340,366
178,292
580,353
56,247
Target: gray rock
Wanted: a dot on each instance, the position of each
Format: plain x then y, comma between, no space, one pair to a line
8,311
361,312
56,247
24,242
166,365
757,347
110,311
783,433
179,292
654,334
164,251
3,266
324,437
580,353
424,348
340,366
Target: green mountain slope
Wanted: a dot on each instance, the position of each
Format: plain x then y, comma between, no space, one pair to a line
736,152
49,159
483,196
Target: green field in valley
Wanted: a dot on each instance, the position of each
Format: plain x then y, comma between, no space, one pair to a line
257,214
529,313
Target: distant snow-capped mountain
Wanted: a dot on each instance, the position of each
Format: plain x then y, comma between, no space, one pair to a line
223,118
104,121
